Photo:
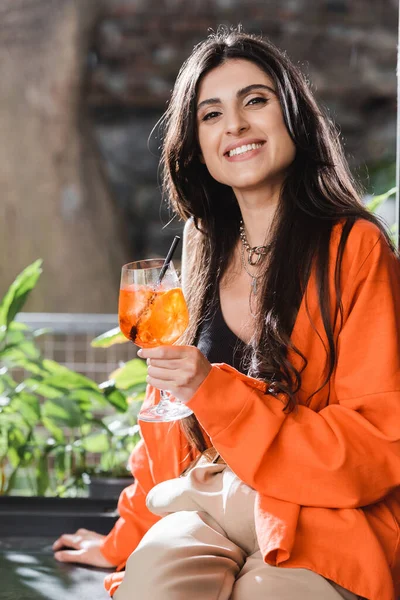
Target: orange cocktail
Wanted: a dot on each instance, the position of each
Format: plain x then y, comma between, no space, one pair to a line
150,317
153,312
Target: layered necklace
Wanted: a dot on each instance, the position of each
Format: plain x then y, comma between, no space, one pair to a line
255,258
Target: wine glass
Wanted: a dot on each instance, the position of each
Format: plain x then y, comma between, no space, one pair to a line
153,313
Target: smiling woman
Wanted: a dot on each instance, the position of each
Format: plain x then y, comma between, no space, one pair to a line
285,481
243,138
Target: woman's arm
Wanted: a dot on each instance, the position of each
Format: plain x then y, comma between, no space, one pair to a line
135,519
91,548
348,454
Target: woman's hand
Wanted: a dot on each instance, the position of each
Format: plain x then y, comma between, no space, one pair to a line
179,369
85,548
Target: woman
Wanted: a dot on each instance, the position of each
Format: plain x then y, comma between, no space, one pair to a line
290,280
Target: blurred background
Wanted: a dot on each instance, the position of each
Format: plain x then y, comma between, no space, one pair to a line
83,82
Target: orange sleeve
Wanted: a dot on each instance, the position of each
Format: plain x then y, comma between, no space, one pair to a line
346,455
135,519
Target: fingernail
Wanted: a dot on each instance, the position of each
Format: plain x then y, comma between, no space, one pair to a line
139,352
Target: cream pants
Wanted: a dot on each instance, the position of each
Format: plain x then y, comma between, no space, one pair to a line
205,547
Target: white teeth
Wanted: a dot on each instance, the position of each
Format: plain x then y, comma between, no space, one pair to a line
243,149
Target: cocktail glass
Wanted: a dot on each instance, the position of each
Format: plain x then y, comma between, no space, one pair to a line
153,313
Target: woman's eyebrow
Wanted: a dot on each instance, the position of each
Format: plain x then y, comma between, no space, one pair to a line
239,94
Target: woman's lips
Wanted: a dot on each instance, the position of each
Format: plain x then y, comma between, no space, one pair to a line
249,154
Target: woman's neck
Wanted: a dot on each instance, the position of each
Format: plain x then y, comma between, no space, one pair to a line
258,211
257,222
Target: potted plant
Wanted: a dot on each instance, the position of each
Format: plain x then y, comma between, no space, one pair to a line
117,435
50,416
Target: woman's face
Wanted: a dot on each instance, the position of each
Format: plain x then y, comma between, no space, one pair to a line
243,138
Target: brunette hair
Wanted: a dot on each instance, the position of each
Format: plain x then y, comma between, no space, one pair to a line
318,192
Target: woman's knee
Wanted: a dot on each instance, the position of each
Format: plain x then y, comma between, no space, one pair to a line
182,535
180,529
180,551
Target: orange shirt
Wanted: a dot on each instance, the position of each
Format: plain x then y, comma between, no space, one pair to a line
327,475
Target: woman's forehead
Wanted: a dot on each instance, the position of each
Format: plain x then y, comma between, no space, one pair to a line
232,74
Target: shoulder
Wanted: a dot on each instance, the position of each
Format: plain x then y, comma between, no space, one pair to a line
363,233
368,257
365,241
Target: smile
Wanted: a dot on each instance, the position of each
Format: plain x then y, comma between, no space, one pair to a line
244,149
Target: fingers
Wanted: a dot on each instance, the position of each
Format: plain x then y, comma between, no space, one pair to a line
160,384
162,374
173,363
71,540
75,556
164,352
177,369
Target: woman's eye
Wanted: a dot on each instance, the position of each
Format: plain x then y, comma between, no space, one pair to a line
258,100
210,115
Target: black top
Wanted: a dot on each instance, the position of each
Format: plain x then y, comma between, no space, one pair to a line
217,342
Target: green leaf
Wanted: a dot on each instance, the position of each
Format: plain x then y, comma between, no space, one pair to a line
62,412
17,435
19,351
60,461
10,419
96,442
64,377
109,338
14,358
7,383
42,475
377,201
12,480
88,399
17,333
27,405
27,455
53,429
133,373
13,456
38,387
18,292
114,396
18,326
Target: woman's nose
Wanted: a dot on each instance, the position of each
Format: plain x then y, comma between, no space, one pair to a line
236,124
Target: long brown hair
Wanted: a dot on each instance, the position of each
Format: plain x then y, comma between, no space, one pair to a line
318,193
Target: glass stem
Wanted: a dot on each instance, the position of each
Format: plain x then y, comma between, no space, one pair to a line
163,405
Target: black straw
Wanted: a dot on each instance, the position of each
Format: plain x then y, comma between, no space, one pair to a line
134,329
168,259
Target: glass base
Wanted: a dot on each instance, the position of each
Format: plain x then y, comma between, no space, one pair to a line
165,411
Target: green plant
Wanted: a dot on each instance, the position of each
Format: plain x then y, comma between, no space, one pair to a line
49,415
376,202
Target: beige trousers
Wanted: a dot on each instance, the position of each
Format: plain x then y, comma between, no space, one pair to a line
205,547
